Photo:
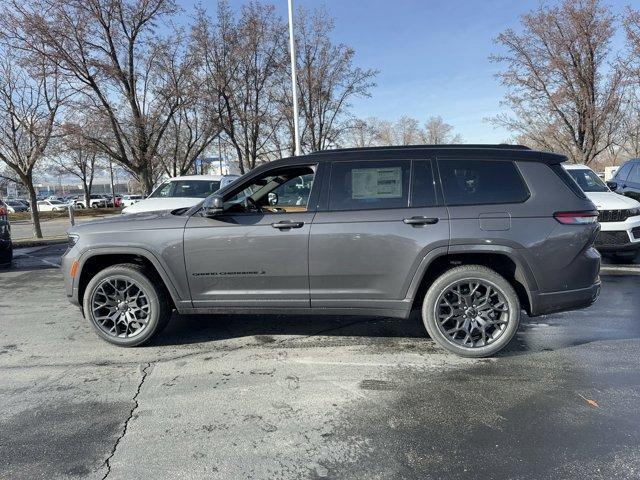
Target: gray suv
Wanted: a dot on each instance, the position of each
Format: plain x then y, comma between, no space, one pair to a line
470,235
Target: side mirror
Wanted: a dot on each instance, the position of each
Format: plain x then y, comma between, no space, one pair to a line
213,205
273,199
612,185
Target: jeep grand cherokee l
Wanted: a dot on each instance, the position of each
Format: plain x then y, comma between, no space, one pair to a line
470,235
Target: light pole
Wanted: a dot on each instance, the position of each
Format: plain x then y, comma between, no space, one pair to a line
294,83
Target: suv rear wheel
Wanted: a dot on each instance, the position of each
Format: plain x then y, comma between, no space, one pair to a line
471,311
125,306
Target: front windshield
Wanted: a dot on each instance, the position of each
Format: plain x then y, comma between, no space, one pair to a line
186,188
588,180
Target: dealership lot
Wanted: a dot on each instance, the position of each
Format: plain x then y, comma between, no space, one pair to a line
320,397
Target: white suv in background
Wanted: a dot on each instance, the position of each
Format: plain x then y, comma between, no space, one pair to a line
619,216
181,192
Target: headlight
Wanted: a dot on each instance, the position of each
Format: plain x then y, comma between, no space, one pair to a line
634,212
73,239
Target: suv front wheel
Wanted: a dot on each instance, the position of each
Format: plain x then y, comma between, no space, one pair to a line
471,311
125,305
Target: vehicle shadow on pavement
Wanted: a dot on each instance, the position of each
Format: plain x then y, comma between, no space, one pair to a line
186,329
317,330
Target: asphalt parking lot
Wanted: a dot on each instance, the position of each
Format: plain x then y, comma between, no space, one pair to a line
274,397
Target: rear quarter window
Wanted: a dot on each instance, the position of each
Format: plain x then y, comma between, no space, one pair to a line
481,182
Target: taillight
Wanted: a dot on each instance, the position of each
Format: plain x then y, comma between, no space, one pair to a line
3,211
576,218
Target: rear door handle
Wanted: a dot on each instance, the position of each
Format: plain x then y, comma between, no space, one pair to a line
286,225
420,220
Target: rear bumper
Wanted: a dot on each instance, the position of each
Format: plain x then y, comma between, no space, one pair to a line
553,302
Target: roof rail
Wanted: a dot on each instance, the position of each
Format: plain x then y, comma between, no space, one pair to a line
500,146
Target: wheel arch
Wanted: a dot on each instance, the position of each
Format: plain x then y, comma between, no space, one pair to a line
504,260
99,259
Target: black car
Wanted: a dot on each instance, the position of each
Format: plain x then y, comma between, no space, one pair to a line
6,248
626,181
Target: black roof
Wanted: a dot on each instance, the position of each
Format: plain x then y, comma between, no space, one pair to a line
455,146
408,152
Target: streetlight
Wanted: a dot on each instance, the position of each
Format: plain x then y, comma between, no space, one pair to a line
294,83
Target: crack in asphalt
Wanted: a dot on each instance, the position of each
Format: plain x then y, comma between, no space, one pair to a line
107,462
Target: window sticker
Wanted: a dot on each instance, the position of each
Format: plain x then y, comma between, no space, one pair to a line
376,183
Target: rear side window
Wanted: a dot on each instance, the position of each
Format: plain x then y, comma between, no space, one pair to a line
369,185
480,182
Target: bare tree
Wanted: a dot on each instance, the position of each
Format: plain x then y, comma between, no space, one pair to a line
30,100
631,125
327,81
437,131
563,92
77,157
243,59
362,132
406,130
192,130
121,69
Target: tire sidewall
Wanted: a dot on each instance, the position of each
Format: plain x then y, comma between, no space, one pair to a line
483,275
143,283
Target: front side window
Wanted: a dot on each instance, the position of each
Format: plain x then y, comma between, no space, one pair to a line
588,180
363,185
623,171
480,182
281,191
634,176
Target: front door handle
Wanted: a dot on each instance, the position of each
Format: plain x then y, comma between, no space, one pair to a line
420,220
287,225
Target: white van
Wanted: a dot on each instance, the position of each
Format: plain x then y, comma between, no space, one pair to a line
180,192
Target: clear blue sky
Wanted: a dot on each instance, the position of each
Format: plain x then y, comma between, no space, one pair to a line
432,55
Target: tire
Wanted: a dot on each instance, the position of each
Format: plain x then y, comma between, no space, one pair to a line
6,257
152,306
498,315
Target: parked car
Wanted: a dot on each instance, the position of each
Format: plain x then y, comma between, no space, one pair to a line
180,192
626,181
619,216
468,235
96,201
6,247
52,206
128,200
14,206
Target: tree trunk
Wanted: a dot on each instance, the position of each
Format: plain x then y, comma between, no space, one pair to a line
87,194
146,178
35,214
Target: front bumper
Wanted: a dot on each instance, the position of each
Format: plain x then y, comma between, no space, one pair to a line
553,302
619,236
70,285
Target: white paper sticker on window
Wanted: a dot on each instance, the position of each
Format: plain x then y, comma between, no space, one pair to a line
376,183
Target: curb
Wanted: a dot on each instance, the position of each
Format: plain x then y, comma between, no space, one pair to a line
38,242
620,270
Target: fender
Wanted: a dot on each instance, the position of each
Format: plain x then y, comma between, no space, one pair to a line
178,300
523,273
